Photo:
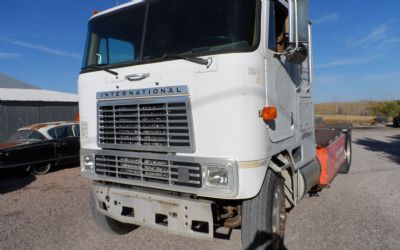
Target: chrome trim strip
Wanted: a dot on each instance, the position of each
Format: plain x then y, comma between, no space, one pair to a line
25,164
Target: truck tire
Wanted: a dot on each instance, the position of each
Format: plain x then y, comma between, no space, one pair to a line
264,216
345,169
107,224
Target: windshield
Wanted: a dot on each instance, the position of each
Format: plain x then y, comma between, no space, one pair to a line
25,135
182,27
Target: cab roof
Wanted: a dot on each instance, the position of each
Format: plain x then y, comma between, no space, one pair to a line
132,2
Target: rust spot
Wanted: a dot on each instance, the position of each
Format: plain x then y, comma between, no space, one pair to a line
163,203
43,125
39,126
8,145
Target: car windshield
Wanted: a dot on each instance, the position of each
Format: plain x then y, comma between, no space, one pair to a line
151,30
26,135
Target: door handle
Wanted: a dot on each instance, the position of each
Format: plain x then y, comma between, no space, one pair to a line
291,118
137,77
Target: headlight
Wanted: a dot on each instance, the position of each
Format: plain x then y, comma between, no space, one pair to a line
88,162
218,176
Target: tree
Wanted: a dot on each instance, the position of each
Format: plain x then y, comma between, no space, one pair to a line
387,108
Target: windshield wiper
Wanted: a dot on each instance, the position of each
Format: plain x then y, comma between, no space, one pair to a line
93,66
197,60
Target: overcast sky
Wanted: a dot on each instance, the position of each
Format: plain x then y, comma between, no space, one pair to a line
356,45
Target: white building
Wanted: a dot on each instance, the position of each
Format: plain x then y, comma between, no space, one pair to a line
22,104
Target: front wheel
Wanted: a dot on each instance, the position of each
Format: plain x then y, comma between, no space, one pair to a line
264,216
107,224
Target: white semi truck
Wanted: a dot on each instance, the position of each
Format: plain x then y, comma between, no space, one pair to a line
197,115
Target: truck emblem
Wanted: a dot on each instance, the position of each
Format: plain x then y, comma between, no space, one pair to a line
161,91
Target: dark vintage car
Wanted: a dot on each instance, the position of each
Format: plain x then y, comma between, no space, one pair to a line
396,121
38,147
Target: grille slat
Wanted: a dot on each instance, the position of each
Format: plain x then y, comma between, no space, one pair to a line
178,140
103,165
162,124
128,168
149,170
187,167
105,171
129,174
191,182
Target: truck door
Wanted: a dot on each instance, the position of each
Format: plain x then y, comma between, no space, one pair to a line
283,78
289,86
305,131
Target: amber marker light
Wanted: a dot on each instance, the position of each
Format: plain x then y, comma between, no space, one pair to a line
269,113
95,12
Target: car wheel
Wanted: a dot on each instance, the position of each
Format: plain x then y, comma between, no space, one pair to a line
41,168
106,223
264,216
345,169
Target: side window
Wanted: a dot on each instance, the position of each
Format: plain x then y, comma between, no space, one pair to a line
278,27
52,133
37,135
113,51
64,132
271,28
61,132
102,55
120,51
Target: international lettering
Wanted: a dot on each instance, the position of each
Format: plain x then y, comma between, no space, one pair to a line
176,90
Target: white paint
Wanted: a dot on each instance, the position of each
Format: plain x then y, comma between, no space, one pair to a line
225,100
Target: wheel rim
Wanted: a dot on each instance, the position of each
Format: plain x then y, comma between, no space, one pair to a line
348,152
42,168
278,213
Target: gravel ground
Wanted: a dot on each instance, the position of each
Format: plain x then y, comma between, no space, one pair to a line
360,211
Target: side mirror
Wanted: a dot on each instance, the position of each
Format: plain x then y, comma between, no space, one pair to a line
298,31
298,21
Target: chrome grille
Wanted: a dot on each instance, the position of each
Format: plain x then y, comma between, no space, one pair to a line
158,124
160,171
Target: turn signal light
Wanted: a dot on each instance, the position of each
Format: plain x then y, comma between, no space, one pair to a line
269,113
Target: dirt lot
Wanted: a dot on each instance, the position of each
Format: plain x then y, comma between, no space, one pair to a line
360,211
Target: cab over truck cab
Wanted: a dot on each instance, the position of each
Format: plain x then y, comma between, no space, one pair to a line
197,115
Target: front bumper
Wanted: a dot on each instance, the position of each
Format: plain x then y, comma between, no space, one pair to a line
175,215
229,191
